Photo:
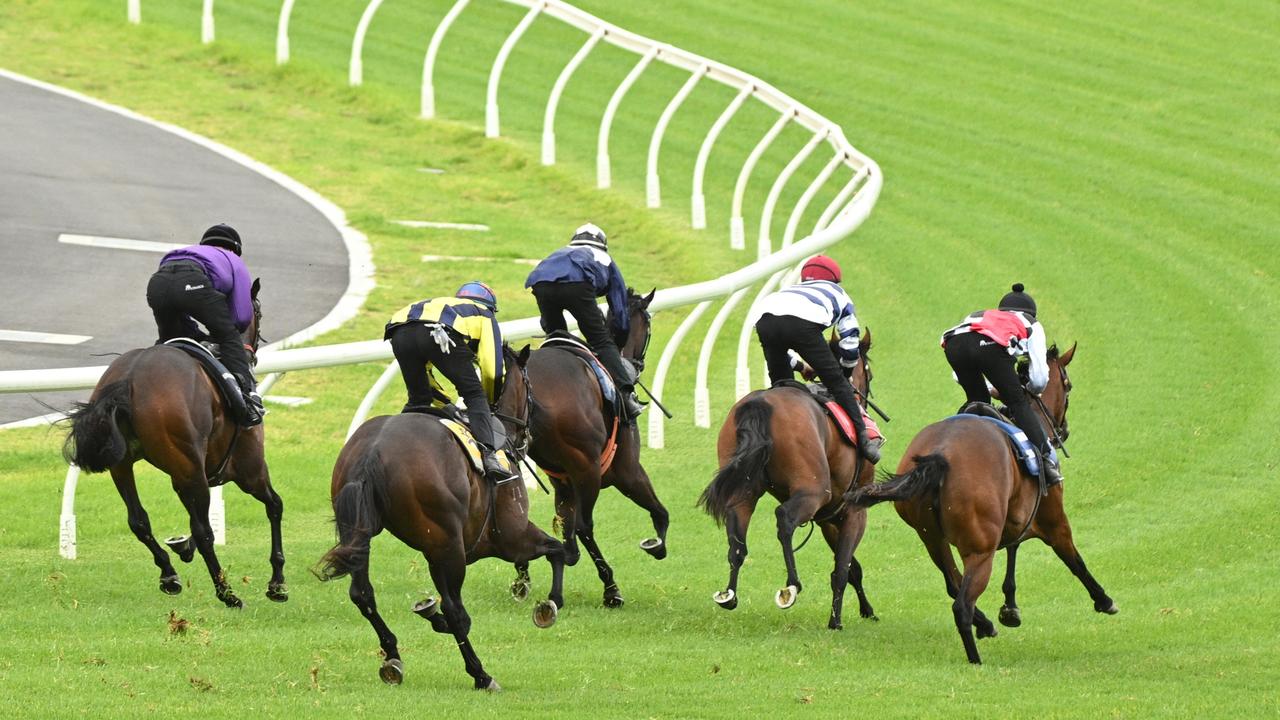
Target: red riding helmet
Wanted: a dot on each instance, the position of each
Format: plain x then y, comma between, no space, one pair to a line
820,267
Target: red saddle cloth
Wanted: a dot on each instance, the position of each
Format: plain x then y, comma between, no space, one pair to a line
843,422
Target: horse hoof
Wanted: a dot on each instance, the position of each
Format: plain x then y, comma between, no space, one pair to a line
392,671
277,592
520,590
726,599
1010,616
170,585
786,597
1110,608
426,608
655,547
489,686
985,631
232,601
613,599
545,614
834,624
182,546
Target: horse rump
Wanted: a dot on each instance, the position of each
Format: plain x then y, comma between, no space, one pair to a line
744,475
357,512
925,477
96,441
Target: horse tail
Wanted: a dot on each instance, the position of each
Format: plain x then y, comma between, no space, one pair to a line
96,441
357,513
925,477
744,475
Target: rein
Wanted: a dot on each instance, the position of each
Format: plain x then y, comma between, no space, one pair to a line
518,449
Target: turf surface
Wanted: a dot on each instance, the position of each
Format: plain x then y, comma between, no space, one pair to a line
1118,158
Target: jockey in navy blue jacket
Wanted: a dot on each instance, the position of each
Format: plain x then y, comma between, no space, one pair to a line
569,280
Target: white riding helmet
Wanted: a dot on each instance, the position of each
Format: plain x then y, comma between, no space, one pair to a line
591,236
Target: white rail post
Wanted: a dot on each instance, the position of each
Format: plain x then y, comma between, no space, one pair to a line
840,200
217,516
701,393
67,522
603,176
737,230
652,185
699,201
657,439
206,23
797,213
135,17
495,73
282,33
355,74
553,100
770,202
371,397
742,373
428,104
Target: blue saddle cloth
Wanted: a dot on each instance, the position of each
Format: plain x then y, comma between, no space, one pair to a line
1022,446
566,341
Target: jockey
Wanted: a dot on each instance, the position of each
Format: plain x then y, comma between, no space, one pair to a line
209,283
986,344
454,335
570,279
796,318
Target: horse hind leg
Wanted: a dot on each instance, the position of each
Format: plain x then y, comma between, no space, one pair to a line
940,553
736,522
844,539
362,596
194,493
567,519
977,572
448,571
140,524
798,509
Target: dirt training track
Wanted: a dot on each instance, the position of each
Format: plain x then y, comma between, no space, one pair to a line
68,167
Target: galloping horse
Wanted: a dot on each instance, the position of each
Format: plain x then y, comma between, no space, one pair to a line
781,442
570,439
157,404
960,484
406,474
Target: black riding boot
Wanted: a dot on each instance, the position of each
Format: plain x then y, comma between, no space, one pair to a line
252,402
631,404
1052,468
494,471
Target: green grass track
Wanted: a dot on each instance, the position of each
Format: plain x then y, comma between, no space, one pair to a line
1117,157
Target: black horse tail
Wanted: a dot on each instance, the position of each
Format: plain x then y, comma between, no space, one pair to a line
925,477
357,513
96,441
744,475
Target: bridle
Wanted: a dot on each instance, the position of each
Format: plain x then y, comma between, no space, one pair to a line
519,442
637,358
1058,432
251,347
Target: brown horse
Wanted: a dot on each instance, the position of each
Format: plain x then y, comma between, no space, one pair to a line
570,438
157,404
959,483
406,474
781,442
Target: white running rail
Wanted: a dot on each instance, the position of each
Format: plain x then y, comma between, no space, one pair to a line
857,175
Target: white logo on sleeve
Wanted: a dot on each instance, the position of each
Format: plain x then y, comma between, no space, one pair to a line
194,287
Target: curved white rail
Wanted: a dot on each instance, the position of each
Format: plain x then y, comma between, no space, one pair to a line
737,229
428,104
699,200
603,176
355,74
553,100
135,11
657,438
701,392
491,128
652,184
206,22
282,33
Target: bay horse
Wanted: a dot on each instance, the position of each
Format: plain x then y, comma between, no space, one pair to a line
406,474
960,483
158,404
779,441
570,437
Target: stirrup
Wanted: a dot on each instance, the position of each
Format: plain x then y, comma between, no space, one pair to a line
494,472
632,406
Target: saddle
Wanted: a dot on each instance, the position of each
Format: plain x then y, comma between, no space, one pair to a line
223,380
837,414
612,406
1028,455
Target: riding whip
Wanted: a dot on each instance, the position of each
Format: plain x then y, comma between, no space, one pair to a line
655,400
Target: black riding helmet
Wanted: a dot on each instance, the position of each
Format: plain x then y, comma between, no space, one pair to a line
1018,300
223,236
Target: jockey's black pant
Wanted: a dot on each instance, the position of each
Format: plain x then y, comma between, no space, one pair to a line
416,348
178,293
974,356
778,334
579,300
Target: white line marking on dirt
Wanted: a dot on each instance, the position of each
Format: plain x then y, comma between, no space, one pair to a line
43,337
431,171
288,400
117,243
36,421
466,258
442,225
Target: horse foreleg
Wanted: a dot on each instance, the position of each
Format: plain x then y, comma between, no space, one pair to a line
977,571
567,519
798,509
634,483
277,590
1055,530
588,492
448,571
140,524
1010,616
194,493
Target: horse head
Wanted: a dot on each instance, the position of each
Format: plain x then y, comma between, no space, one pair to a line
635,345
515,399
252,335
1057,394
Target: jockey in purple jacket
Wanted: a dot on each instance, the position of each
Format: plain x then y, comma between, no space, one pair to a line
209,283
